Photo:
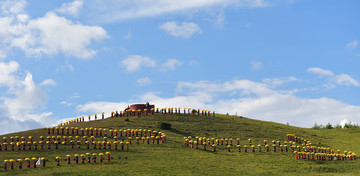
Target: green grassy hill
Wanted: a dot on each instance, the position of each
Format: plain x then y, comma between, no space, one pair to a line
172,158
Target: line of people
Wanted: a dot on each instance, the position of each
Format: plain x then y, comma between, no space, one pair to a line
29,161
302,148
91,131
139,112
84,158
306,150
230,144
77,142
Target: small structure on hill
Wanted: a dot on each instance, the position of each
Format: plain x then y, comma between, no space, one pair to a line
140,106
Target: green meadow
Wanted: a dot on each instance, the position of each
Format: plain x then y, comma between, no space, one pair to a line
173,158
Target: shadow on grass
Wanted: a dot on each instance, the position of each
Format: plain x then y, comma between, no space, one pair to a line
179,132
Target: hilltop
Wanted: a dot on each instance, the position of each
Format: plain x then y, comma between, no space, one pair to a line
173,158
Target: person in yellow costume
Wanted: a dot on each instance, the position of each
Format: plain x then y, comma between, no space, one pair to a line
274,146
12,164
82,158
27,162
214,147
12,145
5,164
101,155
68,159
109,145
108,156
88,157
239,148
20,163
267,148
127,146
57,159
204,144
34,160
76,158
43,159
94,157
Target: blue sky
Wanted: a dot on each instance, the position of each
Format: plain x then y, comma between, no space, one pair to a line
287,61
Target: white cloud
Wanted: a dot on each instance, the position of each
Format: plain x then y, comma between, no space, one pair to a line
74,96
12,7
240,87
109,11
96,107
47,35
71,8
345,121
23,18
279,81
220,19
170,64
52,34
254,100
351,45
186,29
66,67
18,106
256,65
6,71
66,103
342,79
135,62
297,111
144,81
320,71
71,100
48,82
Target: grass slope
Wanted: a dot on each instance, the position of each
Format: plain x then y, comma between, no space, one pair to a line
172,158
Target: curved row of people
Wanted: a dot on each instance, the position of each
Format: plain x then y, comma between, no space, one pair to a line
325,156
295,145
139,112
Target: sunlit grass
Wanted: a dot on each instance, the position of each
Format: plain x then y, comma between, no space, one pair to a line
172,158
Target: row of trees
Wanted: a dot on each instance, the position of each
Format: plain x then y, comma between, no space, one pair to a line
330,126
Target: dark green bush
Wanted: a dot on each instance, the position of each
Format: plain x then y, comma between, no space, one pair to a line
329,126
316,126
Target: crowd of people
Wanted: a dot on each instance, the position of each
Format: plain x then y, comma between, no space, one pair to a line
94,139
143,112
302,148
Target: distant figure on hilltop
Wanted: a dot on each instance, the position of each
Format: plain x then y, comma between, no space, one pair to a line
127,108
